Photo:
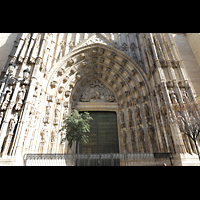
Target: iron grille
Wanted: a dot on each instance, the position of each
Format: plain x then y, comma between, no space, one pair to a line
112,159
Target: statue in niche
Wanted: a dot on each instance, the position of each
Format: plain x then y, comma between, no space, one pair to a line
97,92
125,140
185,96
48,108
131,123
44,134
138,115
174,98
20,98
133,140
54,134
151,132
7,98
13,122
1,117
8,138
146,108
57,111
181,121
122,119
141,134
162,101
141,140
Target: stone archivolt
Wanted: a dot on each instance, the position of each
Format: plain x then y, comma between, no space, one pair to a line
99,66
143,80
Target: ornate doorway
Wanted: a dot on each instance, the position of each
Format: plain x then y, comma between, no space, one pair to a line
103,136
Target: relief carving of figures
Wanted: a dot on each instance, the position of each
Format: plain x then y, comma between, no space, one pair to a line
20,98
97,92
7,98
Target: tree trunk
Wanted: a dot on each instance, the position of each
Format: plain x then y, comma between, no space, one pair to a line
195,142
77,152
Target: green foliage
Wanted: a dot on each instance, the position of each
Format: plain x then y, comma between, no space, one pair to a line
75,127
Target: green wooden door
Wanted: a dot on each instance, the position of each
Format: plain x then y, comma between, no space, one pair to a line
103,136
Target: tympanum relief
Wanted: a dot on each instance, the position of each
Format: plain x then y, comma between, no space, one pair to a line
97,92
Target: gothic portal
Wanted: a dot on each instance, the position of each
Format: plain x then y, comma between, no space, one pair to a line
138,77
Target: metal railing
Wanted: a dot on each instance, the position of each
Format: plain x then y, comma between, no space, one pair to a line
111,159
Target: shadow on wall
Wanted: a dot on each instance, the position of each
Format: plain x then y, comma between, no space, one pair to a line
6,46
189,60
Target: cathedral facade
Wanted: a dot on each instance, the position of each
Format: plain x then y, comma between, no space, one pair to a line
139,76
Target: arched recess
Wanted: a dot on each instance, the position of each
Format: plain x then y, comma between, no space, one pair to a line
119,74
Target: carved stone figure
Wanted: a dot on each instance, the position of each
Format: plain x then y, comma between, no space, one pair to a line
7,98
1,117
181,122
54,134
44,134
20,98
131,123
185,96
13,122
48,107
174,98
141,140
139,119
141,134
36,48
151,132
57,111
146,108
122,119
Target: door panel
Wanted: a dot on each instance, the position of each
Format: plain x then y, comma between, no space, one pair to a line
103,136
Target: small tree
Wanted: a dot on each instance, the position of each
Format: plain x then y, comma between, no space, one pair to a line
75,127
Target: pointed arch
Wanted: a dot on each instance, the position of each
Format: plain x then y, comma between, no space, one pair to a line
117,72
